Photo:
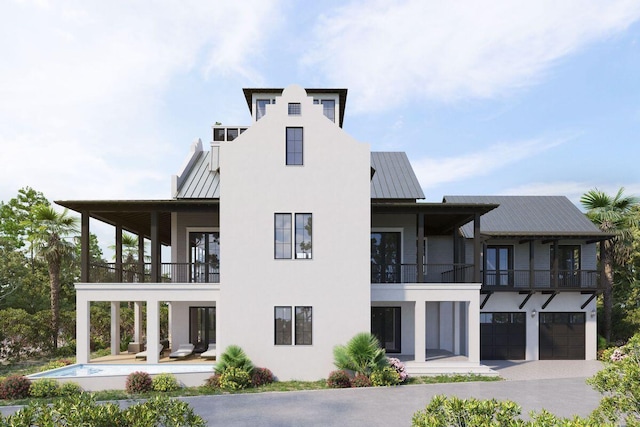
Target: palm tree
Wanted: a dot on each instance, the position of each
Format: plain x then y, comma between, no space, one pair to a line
612,215
49,239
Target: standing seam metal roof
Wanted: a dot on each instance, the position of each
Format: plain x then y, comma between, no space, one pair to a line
201,182
394,177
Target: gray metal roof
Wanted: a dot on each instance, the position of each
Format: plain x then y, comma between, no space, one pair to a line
200,182
530,216
394,177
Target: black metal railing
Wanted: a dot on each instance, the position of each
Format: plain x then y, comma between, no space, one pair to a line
540,279
174,272
432,273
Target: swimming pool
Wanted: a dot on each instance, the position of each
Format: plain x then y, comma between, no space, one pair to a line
104,370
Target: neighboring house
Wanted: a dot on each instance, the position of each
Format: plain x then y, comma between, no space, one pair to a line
288,237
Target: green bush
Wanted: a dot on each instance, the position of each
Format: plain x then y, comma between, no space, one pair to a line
70,388
362,354
45,387
165,382
386,376
339,379
261,376
15,387
234,379
361,381
234,357
138,382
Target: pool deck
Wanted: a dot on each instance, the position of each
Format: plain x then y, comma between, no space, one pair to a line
130,359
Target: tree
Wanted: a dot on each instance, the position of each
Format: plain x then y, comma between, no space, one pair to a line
612,215
50,242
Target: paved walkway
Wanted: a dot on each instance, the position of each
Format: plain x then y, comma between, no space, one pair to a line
557,386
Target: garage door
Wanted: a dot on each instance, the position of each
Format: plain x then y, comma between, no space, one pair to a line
562,336
502,336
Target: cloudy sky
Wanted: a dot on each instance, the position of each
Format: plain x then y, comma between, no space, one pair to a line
102,100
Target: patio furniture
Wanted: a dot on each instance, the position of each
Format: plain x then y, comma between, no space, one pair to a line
210,353
183,351
143,354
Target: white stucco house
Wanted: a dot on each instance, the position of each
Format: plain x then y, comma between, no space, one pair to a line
289,236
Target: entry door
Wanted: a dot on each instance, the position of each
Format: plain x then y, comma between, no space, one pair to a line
385,257
385,325
202,326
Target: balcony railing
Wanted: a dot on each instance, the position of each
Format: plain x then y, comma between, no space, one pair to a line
492,280
140,273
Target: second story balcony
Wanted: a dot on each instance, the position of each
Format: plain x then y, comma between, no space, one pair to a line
141,273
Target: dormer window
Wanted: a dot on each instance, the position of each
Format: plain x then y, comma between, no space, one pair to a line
328,108
294,109
261,107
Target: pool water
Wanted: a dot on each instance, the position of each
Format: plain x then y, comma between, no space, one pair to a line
96,370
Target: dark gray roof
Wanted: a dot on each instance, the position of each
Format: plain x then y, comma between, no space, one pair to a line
394,177
200,182
543,216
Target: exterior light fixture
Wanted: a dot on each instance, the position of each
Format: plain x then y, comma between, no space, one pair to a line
533,313
593,313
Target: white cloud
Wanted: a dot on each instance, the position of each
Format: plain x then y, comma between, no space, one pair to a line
81,84
432,172
389,52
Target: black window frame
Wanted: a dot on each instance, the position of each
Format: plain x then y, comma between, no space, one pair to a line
303,328
282,231
282,332
294,146
305,230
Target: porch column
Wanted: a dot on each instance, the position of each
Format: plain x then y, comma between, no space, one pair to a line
473,325
420,260
420,339
140,258
84,247
153,331
118,265
155,248
532,264
476,249
137,322
115,328
83,323
556,254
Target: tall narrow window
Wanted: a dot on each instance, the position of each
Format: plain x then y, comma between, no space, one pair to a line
303,236
304,322
202,326
499,266
294,146
204,257
282,238
568,265
282,317
385,257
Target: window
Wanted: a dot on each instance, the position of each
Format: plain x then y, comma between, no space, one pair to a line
385,257
204,257
294,146
303,236
499,266
282,240
302,327
294,109
385,325
304,322
261,107
568,265
328,108
202,326
218,134
232,134
282,317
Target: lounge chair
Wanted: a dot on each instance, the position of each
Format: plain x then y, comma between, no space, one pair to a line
210,353
143,354
183,351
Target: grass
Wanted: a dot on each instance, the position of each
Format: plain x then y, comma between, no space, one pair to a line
31,367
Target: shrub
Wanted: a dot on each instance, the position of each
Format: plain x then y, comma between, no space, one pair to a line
162,411
70,388
399,367
45,387
55,364
165,382
138,382
234,357
261,376
15,387
234,379
339,379
361,381
213,381
386,376
362,354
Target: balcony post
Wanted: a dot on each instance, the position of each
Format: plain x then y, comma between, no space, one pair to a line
554,270
118,265
476,249
155,248
532,264
140,258
84,247
420,260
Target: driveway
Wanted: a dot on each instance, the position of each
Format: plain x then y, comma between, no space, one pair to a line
559,387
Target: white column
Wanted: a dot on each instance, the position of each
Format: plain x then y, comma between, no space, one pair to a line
115,328
169,327
473,324
137,322
83,326
421,333
153,331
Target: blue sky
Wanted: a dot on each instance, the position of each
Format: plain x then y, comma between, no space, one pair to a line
101,100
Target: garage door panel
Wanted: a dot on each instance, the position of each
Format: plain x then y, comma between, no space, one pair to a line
562,336
502,336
